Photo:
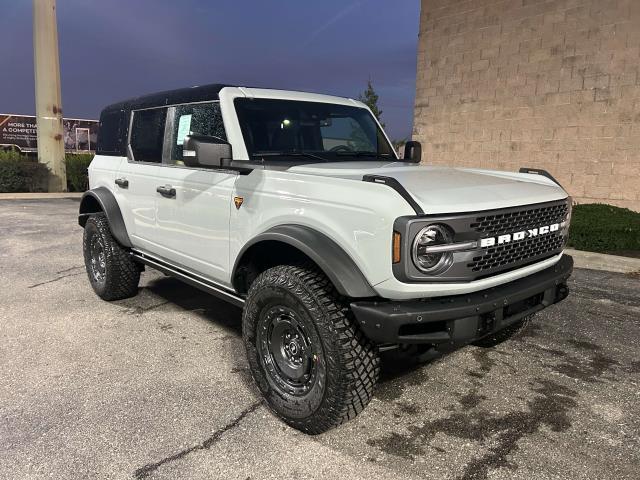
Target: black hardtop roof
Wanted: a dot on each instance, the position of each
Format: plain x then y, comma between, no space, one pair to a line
200,93
114,125
114,120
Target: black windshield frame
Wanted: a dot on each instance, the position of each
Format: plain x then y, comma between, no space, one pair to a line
294,128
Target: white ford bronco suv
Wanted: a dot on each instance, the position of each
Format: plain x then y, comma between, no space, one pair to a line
295,207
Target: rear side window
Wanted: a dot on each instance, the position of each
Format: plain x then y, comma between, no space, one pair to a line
147,134
198,119
111,133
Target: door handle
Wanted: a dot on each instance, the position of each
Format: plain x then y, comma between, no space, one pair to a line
166,191
122,182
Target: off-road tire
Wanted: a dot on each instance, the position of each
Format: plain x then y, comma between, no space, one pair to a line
502,335
121,274
349,363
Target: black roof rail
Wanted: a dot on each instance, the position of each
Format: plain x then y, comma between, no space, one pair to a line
201,93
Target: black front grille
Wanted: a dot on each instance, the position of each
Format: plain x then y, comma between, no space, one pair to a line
520,219
502,256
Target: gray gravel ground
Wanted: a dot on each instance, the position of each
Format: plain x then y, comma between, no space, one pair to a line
157,386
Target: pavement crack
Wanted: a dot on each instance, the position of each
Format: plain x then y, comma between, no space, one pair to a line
70,269
145,471
142,310
55,279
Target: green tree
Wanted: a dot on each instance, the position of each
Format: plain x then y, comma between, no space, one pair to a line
370,98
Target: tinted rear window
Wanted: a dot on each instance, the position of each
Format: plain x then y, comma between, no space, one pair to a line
147,134
111,133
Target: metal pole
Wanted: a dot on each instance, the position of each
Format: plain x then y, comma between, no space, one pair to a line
48,96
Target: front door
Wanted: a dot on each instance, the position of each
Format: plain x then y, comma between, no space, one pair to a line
193,212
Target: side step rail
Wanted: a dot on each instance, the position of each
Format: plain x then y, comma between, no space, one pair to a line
189,278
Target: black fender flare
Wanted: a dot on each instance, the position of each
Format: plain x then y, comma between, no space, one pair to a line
327,254
101,197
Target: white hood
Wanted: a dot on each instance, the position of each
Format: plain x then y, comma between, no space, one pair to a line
449,190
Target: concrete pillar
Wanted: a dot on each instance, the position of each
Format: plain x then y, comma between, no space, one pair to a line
48,96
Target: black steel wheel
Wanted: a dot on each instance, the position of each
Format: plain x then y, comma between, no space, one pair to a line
112,273
313,365
98,260
286,350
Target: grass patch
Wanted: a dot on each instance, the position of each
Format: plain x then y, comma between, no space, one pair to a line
604,228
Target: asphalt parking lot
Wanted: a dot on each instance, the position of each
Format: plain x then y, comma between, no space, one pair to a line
157,386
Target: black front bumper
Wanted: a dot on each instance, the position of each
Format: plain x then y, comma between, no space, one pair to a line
459,319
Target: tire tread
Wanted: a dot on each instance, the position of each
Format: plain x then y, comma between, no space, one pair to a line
122,274
356,367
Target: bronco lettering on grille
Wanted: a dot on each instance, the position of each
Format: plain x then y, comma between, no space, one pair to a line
514,237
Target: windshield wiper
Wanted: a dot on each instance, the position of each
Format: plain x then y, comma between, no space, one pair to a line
363,153
288,154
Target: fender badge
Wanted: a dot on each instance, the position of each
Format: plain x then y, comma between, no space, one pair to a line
238,201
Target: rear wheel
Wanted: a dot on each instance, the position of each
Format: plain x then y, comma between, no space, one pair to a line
313,365
112,273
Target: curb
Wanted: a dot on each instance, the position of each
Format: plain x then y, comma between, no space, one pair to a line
39,196
600,261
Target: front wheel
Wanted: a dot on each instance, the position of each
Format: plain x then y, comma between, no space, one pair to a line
313,365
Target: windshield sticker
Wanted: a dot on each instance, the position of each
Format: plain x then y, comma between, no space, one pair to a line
183,128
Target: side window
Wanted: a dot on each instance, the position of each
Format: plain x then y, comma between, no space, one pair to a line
147,134
199,119
110,141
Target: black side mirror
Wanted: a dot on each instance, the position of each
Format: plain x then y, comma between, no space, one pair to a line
412,152
205,151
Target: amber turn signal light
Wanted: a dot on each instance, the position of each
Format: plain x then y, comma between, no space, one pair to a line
396,247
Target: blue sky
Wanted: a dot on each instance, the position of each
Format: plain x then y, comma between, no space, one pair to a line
115,49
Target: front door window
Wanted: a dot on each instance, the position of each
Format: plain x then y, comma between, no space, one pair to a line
199,119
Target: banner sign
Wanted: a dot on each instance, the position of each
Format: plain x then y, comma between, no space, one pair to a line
21,132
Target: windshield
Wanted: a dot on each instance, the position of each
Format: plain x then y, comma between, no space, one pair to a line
316,131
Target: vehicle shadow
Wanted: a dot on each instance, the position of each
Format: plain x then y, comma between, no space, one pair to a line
400,370
204,305
226,317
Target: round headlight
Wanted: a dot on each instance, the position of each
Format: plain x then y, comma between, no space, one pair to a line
429,261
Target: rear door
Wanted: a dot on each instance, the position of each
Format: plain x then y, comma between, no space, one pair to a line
193,215
137,178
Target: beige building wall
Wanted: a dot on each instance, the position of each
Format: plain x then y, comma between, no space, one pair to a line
551,84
